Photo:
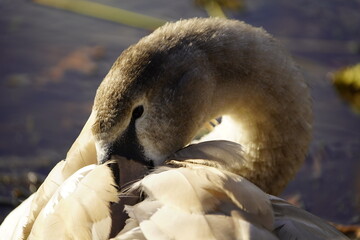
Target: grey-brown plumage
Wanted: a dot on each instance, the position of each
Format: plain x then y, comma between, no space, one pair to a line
188,72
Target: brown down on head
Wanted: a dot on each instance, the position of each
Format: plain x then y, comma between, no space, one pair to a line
186,73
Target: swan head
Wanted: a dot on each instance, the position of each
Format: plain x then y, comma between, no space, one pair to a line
149,104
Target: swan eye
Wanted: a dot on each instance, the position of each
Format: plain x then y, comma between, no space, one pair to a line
137,112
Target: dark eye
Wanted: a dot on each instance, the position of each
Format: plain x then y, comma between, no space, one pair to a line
137,112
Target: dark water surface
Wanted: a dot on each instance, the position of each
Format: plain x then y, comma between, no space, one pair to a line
52,61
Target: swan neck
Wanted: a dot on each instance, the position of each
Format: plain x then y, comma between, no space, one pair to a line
272,122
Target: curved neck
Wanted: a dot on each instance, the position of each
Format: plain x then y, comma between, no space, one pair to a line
269,113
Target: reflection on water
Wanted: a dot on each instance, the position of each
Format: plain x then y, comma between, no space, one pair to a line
52,62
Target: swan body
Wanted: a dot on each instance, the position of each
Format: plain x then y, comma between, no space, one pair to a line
183,200
151,104
196,201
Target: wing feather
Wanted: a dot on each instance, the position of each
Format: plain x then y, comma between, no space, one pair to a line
80,207
295,223
13,224
197,202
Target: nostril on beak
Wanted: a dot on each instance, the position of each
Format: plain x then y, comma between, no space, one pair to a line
130,150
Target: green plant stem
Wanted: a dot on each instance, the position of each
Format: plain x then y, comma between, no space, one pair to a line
104,12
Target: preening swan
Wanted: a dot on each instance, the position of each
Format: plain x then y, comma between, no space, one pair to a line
155,98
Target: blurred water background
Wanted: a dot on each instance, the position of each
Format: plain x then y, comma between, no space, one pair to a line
52,61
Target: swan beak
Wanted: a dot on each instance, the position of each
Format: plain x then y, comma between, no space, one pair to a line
126,163
129,150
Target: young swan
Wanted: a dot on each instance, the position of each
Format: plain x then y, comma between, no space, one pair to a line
161,90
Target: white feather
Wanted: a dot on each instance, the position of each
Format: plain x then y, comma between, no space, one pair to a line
12,226
198,201
79,209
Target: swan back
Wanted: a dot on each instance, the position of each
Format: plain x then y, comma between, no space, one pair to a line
205,202
196,201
